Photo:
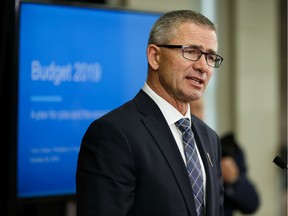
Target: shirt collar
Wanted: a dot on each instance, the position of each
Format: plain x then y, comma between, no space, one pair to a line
171,114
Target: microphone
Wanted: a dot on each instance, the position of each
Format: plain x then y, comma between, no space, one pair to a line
280,162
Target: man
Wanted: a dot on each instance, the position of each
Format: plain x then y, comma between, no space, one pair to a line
132,161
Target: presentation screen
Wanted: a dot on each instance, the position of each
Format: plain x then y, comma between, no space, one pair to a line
75,63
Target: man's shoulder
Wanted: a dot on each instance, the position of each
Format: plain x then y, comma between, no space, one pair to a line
199,124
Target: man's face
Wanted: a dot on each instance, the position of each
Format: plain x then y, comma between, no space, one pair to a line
182,79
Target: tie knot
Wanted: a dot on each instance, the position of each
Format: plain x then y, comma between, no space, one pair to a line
183,124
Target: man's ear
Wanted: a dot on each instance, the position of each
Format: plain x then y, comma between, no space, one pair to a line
153,56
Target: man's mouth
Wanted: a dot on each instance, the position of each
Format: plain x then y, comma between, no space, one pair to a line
199,81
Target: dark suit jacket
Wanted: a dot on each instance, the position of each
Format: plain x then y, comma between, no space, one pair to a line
129,164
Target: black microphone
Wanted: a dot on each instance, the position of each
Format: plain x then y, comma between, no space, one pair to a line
280,162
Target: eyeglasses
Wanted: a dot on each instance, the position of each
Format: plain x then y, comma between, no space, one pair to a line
194,54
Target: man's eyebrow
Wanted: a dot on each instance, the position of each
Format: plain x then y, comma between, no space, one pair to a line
201,48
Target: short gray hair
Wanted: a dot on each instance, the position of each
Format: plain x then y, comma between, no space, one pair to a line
165,27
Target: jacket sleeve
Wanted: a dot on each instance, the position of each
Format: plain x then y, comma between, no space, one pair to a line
242,195
105,180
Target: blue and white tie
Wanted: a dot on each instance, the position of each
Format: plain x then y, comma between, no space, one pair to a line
193,164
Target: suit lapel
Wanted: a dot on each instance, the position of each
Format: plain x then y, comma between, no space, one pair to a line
156,124
166,143
204,146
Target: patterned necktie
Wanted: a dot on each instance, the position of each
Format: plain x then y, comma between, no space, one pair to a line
193,164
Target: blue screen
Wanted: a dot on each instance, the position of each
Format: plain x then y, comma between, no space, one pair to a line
75,64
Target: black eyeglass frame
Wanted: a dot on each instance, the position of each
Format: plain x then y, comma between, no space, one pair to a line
218,57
